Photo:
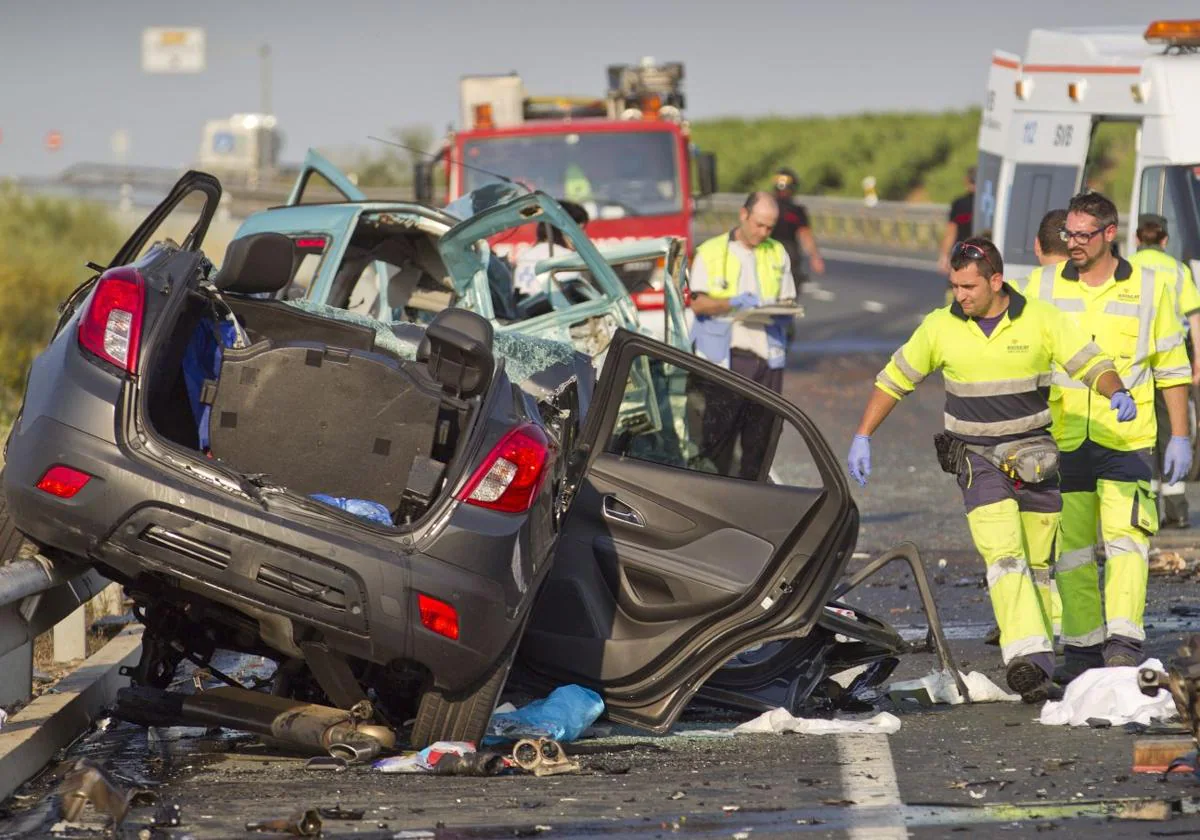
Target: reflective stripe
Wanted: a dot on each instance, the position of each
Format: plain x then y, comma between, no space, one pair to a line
883,379
1170,343
1045,380
1146,316
993,388
1125,627
1136,375
1076,558
1074,364
1025,647
999,428
908,370
1179,278
1126,545
1061,379
1089,639
1002,567
1173,373
1114,307
1099,369
1046,286
1070,304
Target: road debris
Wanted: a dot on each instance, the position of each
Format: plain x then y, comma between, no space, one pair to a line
305,823
168,815
938,687
543,757
87,782
328,763
337,812
1108,694
780,720
1170,563
562,716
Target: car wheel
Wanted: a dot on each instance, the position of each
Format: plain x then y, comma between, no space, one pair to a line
1194,433
464,716
11,539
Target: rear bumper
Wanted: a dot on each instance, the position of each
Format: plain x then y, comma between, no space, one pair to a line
354,590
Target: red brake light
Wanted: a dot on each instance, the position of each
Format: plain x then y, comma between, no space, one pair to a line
310,243
438,616
62,481
511,475
652,299
111,326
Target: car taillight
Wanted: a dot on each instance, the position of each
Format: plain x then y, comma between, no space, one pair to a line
63,481
649,300
438,616
511,475
111,325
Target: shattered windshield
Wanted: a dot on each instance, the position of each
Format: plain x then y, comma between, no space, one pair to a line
487,196
613,174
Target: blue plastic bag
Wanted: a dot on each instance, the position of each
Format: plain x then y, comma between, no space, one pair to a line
371,511
563,716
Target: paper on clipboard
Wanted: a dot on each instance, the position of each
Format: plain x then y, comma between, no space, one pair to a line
764,314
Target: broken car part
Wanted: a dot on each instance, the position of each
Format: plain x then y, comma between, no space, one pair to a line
305,727
1182,679
88,782
470,764
543,757
300,824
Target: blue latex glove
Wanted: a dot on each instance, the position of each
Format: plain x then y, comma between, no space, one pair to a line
1177,460
746,300
859,459
1124,405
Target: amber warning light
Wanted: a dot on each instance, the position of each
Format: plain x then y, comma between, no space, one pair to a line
1174,33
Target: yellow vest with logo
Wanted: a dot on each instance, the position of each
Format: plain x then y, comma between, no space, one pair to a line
1131,317
724,269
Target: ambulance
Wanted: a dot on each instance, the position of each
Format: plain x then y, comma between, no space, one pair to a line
1040,118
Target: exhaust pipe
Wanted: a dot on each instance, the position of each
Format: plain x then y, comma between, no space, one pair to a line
304,727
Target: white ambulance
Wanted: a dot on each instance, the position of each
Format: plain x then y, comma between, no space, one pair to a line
1040,117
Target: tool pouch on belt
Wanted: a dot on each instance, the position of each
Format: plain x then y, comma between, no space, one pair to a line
951,453
1032,460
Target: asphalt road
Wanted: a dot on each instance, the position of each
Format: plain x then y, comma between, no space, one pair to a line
989,769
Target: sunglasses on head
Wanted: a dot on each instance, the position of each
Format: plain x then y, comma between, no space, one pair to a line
969,251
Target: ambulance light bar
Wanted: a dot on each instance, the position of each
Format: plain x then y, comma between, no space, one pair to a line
1174,33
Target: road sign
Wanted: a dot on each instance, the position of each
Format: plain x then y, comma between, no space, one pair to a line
172,49
53,141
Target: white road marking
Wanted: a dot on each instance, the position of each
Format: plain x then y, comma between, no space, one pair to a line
817,293
873,306
881,259
869,781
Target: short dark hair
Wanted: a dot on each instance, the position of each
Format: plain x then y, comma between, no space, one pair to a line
1151,229
1098,206
1049,235
992,259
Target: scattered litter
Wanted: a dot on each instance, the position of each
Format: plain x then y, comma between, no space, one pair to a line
543,757
941,562
729,809
423,761
939,687
1186,610
677,795
168,815
781,720
1099,723
3,718
331,763
337,812
1109,694
563,716
300,824
88,782
470,764
1168,563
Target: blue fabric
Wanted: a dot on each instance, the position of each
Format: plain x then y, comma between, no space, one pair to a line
563,716
711,338
201,362
364,508
777,342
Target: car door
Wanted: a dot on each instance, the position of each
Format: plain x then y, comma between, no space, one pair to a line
670,562
317,164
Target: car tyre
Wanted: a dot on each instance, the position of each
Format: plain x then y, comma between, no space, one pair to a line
11,539
465,716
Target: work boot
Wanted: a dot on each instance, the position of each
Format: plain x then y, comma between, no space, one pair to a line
1120,652
993,636
1077,660
1030,680
1175,512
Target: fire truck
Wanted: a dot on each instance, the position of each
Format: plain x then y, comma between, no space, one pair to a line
626,158
1040,117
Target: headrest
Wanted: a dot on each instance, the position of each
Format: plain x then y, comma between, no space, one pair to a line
260,263
457,349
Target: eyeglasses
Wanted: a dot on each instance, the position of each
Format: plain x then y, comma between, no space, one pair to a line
970,251
1082,236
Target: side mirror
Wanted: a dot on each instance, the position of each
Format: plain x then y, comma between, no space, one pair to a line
706,174
423,181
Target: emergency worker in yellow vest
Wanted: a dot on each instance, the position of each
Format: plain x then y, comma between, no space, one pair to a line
995,350
1106,466
739,270
1152,242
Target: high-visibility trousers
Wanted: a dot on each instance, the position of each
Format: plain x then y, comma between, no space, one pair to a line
1112,489
1015,529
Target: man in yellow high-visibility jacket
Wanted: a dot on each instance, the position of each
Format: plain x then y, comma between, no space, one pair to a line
1106,466
1152,242
995,350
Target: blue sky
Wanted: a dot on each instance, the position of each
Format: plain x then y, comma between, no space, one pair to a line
342,70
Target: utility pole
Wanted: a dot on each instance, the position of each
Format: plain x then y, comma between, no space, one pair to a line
264,104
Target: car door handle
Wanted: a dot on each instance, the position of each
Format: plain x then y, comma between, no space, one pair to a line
618,511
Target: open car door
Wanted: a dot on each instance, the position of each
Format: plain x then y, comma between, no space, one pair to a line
715,519
317,164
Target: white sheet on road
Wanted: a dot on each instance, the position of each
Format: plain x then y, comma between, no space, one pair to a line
942,689
1110,694
780,720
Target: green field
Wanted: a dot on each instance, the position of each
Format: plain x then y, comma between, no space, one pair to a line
913,157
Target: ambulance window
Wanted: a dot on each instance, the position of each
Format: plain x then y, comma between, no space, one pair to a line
1036,189
1150,196
1176,208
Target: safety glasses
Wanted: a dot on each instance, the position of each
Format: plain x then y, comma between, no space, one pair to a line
963,251
1081,236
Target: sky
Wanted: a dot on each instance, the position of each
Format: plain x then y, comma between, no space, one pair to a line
344,69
